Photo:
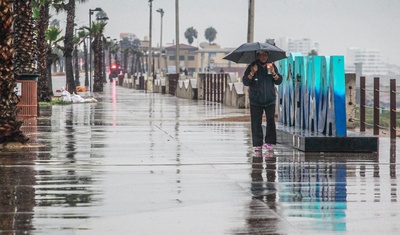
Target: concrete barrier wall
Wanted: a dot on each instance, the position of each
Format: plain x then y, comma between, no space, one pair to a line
187,88
235,94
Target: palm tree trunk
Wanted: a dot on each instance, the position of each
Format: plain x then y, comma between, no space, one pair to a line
97,81
25,38
45,91
126,55
133,63
76,59
85,52
103,64
69,46
109,61
9,125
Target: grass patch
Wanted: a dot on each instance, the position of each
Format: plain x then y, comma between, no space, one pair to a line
384,117
54,101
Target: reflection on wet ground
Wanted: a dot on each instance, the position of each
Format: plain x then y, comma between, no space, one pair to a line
144,163
350,193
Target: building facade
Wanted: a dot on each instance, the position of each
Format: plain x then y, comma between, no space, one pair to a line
368,62
304,46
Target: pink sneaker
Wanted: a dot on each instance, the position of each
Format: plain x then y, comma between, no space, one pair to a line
267,146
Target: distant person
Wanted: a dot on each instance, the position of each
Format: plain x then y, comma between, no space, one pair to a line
261,78
221,70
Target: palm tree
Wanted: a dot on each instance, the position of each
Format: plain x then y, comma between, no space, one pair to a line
25,38
103,56
210,34
42,16
125,47
52,36
97,47
115,50
76,41
69,45
83,35
69,7
134,55
9,124
313,52
190,34
102,17
107,46
55,22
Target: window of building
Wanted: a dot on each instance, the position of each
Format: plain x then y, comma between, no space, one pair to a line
171,57
190,57
181,57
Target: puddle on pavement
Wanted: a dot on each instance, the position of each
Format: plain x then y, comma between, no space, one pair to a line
41,185
319,190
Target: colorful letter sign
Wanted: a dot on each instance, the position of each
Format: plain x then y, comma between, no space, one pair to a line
312,95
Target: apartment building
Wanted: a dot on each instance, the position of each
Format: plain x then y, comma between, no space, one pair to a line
368,62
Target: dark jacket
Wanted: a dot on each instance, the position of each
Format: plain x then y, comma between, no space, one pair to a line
262,89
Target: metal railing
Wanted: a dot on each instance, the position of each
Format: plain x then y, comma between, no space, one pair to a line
376,107
214,85
172,82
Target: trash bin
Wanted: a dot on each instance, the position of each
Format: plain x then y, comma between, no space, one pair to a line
120,80
27,92
141,83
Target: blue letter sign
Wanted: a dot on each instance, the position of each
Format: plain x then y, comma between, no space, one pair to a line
312,95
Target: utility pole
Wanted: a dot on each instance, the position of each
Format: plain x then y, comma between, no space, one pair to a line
149,68
250,26
177,35
161,11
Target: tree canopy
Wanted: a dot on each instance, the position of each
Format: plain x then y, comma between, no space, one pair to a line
210,34
190,34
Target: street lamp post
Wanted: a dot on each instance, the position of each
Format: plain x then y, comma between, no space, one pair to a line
177,36
250,23
150,38
161,11
91,11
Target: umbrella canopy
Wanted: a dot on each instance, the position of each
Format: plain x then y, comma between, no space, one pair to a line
246,53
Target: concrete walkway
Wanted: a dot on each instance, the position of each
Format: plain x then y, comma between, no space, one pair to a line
146,163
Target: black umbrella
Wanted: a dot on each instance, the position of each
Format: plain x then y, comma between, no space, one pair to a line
246,53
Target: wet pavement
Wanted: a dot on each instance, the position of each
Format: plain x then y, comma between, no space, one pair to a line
147,163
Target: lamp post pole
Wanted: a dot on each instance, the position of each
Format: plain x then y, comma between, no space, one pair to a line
90,45
161,11
250,23
150,39
177,36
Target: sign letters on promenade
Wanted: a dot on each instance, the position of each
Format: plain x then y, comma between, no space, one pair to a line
312,95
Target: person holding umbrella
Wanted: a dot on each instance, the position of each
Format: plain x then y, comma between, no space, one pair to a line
261,78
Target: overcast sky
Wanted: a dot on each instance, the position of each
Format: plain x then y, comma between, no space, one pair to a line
335,24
